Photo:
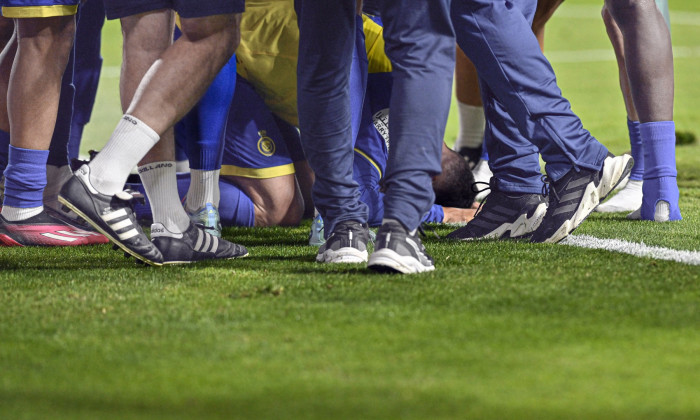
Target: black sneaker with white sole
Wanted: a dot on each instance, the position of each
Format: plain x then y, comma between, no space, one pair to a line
346,244
111,215
573,197
398,251
504,215
194,244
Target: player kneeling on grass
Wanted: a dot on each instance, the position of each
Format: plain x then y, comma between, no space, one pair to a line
258,186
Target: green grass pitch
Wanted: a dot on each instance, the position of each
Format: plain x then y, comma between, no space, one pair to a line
501,330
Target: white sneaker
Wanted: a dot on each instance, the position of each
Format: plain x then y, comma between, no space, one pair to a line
628,199
482,173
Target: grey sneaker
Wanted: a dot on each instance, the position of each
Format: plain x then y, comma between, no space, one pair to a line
504,216
397,251
208,218
347,244
111,215
573,197
194,244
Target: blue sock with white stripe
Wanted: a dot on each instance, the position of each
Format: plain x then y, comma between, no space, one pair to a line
25,179
660,169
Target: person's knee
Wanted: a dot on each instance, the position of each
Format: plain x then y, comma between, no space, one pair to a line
146,35
51,38
222,31
628,11
280,213
295,212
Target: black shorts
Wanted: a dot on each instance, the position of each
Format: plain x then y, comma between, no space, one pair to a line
116,9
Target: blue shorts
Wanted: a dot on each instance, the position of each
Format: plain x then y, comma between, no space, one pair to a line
38,8
116,9
258,144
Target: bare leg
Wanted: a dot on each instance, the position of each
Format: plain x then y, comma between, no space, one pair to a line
146,37
467,83
648,61
8,42
648,57
33,91
277,201
472,121
35,82
169,89
184,71
544,12
618,45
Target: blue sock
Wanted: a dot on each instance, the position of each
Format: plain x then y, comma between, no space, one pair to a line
637,173
4,149
660,168
204,126
25,178
235,207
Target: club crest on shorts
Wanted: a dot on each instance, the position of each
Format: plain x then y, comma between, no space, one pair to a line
266,146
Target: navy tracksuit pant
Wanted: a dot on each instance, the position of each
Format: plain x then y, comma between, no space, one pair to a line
421,46
526,113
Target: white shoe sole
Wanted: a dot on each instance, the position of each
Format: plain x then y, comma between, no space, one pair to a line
614,170
520,227
388,259
343,255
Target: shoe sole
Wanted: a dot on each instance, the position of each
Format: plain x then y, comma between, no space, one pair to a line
389,261
592,197
107,234
206,259
343,255
6,240
521,227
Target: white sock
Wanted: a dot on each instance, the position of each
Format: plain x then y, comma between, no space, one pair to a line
472,124
160,183
56,177
628,199
204,188
130,142
14,214
182,166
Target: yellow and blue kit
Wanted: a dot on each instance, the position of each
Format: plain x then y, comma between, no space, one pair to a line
38,8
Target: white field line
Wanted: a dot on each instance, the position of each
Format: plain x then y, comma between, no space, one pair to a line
633,248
